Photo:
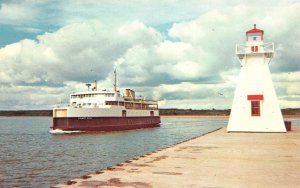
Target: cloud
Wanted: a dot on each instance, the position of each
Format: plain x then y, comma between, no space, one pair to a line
192,65
48,15
17,12
78,52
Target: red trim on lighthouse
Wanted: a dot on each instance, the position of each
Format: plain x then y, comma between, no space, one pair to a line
255,30
254,48
255,97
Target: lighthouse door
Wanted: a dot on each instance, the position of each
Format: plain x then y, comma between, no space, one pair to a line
255,104
255,108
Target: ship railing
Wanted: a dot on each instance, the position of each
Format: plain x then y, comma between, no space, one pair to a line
141,108
133,105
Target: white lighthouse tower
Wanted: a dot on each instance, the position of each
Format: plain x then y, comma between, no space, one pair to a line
255,107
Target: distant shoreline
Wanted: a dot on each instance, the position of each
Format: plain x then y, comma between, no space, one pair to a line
289,112
26,113
215,116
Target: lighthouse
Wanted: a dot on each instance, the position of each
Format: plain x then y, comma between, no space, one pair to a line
255,106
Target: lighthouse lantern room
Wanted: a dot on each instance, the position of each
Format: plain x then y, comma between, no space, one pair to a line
255,107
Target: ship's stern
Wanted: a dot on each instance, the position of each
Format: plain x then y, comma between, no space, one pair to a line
60,119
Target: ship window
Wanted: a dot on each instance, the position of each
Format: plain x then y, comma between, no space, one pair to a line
109,94
123,113
151,113
255,108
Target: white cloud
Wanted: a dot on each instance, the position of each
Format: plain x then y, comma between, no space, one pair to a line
18,12
78,52
194,66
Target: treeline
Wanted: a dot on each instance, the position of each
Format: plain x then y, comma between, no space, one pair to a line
291,111
169,112
186,112
215,112
27,113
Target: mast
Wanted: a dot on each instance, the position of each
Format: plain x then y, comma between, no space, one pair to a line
95,87
115,82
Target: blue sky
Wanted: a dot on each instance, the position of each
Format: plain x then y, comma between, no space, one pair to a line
36,17
178,52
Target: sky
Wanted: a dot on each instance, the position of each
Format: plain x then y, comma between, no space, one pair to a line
181,53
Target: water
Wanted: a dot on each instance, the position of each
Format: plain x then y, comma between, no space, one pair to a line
31,157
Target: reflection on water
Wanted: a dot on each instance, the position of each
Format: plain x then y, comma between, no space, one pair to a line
32,157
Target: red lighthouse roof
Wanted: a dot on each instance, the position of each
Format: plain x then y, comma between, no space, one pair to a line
255,30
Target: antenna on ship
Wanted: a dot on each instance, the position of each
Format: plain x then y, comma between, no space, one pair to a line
88,85
115,83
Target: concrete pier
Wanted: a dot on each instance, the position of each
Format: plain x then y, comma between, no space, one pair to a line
218,159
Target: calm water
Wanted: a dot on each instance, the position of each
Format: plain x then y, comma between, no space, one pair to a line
31,157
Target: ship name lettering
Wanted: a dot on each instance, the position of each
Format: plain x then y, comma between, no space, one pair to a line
85,118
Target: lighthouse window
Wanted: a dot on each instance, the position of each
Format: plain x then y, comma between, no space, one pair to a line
255,108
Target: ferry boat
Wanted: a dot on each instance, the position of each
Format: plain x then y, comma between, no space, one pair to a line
105,110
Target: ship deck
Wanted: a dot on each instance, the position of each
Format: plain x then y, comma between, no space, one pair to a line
218,159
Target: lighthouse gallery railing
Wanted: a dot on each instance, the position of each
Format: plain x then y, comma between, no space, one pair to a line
247,49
